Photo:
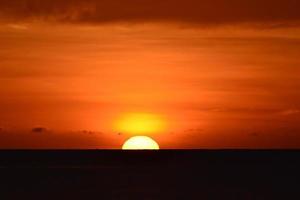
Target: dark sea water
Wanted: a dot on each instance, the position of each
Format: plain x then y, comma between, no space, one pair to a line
142,175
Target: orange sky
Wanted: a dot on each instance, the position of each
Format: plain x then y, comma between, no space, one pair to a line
225,80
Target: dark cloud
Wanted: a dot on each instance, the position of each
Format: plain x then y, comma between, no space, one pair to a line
89,132
18,139
187,11
254,134
39,130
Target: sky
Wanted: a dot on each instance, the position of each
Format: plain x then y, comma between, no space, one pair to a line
190,74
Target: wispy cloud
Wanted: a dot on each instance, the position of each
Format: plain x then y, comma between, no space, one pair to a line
290,112
18,26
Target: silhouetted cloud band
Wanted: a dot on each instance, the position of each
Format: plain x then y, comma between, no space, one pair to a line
204,12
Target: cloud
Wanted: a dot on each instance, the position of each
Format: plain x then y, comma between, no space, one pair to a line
89,132
206,12
17,26
39,130
20,139
290,112
254,134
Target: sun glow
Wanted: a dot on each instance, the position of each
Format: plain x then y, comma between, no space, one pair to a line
140,123
140,143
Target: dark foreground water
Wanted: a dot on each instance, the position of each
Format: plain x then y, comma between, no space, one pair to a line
142,175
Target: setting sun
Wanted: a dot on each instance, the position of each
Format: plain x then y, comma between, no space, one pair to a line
140,143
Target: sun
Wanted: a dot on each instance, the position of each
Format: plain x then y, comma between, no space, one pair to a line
140,143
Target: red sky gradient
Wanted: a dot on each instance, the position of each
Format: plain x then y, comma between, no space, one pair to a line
217,74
